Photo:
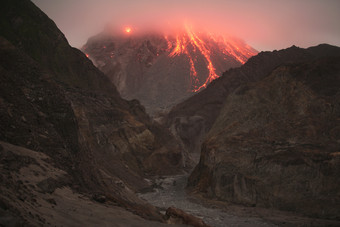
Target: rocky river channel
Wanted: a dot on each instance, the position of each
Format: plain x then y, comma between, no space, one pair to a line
170,191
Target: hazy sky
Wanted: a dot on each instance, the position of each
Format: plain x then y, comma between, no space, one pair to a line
264,24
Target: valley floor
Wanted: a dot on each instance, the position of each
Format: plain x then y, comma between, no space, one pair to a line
170,191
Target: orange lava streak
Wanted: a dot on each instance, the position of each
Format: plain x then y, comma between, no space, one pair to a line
169,44
206,53
181,48
178,48
193,70
232,48
194,78
189,42
230,51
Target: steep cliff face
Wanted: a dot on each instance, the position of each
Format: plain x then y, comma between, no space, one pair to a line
193,118
34,110
276,142
55,101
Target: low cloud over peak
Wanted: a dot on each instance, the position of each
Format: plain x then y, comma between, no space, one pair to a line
264,24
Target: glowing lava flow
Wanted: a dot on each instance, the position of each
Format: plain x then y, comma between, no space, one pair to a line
194,39
194,45
232,48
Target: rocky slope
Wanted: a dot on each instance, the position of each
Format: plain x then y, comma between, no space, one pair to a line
193,118
162,70
36,193
55,101
275,142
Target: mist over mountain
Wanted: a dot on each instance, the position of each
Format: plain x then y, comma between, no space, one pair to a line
160,69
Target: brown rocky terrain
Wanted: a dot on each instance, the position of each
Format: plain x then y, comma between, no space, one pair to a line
55,101
193,118
275,142
36,193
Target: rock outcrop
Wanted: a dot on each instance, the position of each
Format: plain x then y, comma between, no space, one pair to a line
55,101
275,142
178,216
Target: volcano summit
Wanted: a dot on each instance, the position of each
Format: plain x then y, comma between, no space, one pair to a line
163,69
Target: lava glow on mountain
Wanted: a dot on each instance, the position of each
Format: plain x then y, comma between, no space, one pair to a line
185,51
204,45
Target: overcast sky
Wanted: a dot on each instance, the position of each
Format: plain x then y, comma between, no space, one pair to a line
263,24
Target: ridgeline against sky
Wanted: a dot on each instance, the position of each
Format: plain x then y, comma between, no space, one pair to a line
263,24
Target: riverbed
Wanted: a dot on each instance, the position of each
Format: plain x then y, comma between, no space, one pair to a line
170,191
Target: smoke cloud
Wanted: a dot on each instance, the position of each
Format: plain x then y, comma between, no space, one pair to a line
263,24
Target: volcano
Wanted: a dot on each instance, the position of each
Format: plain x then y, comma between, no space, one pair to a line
162,69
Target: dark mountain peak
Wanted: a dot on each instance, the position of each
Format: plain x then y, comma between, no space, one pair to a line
325,50
28,28
293,47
